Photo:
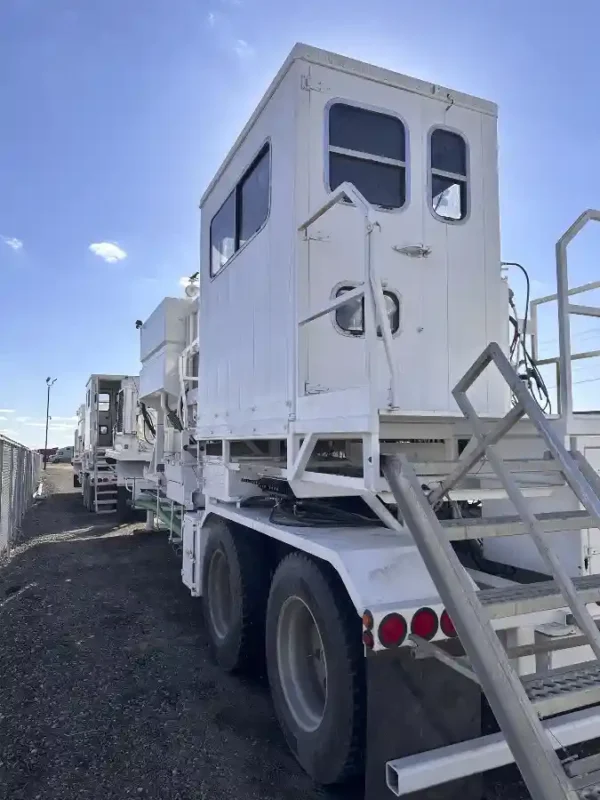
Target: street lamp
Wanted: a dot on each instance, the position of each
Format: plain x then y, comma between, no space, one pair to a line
49,383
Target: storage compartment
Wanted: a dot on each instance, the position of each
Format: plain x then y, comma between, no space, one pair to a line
162,339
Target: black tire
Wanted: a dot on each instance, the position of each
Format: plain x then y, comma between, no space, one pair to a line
333,752
85,491
237,645
76,481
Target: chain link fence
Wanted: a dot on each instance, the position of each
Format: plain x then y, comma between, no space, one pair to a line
19,474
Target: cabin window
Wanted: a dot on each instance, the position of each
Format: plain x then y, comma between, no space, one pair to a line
368,149
350,318
103,402
244,212
449,181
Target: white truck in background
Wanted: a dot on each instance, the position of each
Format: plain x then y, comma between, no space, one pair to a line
111,444
348,449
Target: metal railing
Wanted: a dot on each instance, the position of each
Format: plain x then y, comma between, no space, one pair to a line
19,473
562,362
371,289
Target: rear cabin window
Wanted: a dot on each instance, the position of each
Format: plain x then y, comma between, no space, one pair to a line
368,149
350,318
243,213
103,402
449,181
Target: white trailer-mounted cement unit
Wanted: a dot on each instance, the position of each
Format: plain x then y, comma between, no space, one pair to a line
113,444
375,502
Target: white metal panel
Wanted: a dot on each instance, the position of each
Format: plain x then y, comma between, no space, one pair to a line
445,319
166,325
160,371
246,319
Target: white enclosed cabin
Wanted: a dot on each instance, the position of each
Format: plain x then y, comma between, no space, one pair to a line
425,158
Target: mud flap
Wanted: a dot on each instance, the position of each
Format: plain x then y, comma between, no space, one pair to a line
414,706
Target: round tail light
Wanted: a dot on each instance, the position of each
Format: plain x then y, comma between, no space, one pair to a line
368,640
392,630
424,623
447,625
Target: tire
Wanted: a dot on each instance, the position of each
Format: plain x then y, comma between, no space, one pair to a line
85,491
76,481
235,581
323,721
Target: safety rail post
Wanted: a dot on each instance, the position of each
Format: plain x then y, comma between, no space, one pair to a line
372,287
563,362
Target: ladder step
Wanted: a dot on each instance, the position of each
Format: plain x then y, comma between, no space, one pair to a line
483,527
524,598
105,502
564,689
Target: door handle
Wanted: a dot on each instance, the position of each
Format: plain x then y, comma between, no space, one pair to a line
413,250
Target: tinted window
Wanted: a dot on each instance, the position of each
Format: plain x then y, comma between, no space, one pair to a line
448,152
222,235
449,180
253,198
381,184
366,132
243,213
375,152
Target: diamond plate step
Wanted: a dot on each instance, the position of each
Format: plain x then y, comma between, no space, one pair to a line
564,689
543,596
481,528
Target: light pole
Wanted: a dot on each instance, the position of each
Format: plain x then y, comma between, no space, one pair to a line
49,383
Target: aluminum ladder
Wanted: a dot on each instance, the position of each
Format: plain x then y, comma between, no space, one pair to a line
105,491
514,702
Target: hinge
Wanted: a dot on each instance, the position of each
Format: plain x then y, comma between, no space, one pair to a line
307,86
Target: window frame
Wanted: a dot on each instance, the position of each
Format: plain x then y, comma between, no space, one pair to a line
267,147
386,112
465,179
349,285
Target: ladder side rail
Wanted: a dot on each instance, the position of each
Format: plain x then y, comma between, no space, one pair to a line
539,764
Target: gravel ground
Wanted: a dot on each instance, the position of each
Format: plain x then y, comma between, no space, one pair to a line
106,686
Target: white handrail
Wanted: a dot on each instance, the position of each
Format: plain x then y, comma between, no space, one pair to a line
347,191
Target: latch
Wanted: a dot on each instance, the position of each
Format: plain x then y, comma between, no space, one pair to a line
413,250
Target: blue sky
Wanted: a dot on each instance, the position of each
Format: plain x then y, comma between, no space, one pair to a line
114,114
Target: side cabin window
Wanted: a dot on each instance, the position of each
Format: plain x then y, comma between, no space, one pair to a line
243,214
449,180
368,149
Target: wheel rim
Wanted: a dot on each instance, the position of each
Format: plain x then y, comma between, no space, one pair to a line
302,663
219,592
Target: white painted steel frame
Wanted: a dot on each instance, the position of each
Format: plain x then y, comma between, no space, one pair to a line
435,767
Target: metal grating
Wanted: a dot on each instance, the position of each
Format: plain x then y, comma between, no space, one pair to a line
542,596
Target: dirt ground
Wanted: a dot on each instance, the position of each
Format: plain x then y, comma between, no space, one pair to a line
107,689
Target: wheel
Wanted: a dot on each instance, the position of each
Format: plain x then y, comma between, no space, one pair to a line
76,481
84,490
235,580
315,664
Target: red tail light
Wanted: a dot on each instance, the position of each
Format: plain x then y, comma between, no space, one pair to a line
367,620
392,630
424,623
368,640
447,625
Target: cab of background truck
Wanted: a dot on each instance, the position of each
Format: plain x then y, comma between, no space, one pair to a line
100,413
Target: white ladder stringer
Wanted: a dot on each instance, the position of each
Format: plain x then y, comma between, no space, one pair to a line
516,715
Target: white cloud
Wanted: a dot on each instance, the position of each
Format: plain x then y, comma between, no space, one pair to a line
109,251
211,19
7,411
12,242
21,419
3,419
65,419
242,49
